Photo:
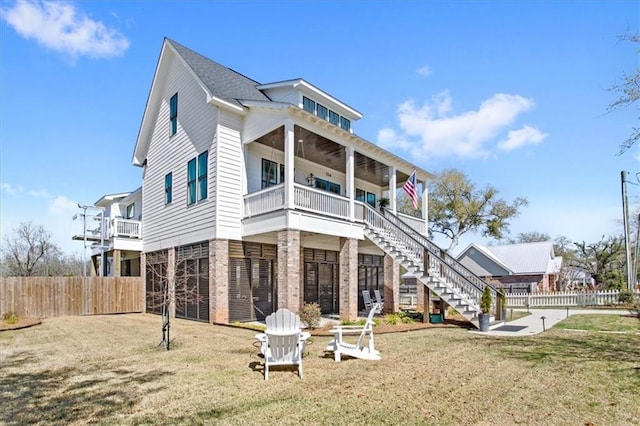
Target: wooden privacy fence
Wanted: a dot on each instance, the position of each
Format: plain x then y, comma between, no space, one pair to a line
523,300
43,297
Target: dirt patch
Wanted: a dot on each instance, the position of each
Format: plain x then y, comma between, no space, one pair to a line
21,323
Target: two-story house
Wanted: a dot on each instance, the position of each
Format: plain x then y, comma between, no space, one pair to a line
119,240
261,196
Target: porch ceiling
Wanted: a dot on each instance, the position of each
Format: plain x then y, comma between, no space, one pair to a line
323,151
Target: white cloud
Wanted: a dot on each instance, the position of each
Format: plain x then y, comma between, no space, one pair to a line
424,71
6,187
434,130
61,27
39,193
63,205
527,135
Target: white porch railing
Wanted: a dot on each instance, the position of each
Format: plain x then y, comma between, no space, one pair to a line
264,201
305,198
318,201
125,228
416,223
523,300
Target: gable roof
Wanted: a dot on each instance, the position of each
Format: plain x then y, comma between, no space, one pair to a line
521,259
222,82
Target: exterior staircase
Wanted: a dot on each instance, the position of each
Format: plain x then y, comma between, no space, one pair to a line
429,264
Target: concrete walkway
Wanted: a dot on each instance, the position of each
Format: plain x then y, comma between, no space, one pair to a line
532,324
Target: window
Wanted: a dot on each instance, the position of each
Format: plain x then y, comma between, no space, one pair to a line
308,105
360,195
203,164
326,185
281,173
269,173
345,123
168,188
131,210
191,181
173,114
322,111
371,199
334,118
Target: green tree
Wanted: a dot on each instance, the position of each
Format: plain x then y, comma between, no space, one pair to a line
529,237
604,260
627,88
456,207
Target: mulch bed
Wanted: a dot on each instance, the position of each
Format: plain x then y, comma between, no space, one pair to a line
400,328
21,323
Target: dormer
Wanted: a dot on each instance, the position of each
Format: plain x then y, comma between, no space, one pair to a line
313,100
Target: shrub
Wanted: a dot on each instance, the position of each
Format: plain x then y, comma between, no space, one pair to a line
311,314
485,301
503,299
392,319
10,317
626,297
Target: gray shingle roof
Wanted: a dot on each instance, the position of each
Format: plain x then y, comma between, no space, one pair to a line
221,81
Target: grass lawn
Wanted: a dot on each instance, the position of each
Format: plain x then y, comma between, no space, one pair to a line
109,370
598,322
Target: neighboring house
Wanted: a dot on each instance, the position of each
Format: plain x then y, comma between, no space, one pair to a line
575,278
529,267
257,194
122,235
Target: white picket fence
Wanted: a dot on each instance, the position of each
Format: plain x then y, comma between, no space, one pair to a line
599,298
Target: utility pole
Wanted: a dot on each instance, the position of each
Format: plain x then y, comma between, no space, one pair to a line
625,221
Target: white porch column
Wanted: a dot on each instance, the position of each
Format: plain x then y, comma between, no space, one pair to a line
425,206
392,190
288,165
350,181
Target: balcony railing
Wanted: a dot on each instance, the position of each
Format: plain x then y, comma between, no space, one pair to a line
414,222
315,201
319,201
125,228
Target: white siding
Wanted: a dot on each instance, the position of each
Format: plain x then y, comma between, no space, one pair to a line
176,223
229,164
259,122
284,94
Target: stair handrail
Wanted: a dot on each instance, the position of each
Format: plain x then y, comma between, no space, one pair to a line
478,283
435,249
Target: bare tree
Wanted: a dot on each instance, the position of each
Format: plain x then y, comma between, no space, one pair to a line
628,91
162,289
26,249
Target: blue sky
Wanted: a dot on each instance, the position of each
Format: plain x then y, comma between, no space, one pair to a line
514,94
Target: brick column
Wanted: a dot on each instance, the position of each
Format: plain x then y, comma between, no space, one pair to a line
171,280
348,279
288,285
391,285
219,281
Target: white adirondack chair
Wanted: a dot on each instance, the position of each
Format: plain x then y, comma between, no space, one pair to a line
362,349
281,321
282,343
283,348
379,299
366,296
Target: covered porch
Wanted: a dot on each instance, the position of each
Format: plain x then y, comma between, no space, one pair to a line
334,174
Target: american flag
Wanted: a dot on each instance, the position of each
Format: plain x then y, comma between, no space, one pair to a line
410,188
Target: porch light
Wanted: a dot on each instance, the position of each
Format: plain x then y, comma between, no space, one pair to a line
310,179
